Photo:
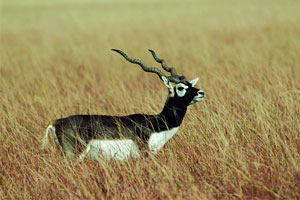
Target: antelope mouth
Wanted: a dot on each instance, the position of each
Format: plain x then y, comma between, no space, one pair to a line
198,98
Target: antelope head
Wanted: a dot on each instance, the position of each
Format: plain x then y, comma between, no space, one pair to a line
183,91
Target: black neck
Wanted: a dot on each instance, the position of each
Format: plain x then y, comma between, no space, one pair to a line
173,112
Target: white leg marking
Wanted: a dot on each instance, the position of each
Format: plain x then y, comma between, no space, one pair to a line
83,154
158,140
111,149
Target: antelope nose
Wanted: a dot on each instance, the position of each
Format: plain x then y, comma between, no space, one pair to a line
201,92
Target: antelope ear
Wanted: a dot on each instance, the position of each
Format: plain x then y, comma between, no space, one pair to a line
167,83
194,81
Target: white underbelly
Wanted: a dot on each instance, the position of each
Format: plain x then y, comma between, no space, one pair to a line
112,149
122,149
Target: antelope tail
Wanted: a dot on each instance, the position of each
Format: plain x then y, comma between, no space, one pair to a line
45,140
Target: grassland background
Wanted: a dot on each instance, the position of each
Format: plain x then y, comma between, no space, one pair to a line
242,141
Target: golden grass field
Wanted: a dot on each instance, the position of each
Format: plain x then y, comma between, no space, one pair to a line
241,142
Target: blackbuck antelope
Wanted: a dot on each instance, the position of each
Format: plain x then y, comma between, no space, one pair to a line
121,137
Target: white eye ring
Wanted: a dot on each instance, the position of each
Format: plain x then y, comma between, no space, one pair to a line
181,89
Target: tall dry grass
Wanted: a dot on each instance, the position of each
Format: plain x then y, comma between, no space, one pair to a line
242,141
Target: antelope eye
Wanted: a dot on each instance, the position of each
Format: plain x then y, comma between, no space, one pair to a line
180,88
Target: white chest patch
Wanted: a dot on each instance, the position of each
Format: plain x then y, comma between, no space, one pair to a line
158,140
111,149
